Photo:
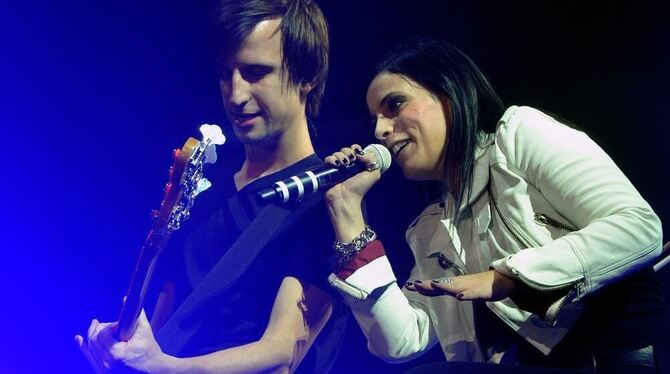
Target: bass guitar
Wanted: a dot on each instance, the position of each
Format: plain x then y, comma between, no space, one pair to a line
185,183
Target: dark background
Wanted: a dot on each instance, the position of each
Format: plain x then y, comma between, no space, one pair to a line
94,95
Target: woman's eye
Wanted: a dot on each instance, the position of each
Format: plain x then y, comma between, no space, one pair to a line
395,103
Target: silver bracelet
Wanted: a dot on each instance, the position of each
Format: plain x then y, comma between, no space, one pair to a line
346,251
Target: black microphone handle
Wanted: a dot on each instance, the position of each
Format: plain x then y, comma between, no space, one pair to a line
332,176
296,187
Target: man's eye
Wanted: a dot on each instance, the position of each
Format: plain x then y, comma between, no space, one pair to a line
255,74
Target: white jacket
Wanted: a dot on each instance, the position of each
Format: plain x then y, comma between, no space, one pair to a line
557,213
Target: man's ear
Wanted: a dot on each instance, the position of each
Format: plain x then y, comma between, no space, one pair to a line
305,88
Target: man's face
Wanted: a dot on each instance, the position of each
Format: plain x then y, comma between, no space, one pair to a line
259,101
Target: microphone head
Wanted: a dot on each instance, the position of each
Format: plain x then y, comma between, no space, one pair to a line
382,156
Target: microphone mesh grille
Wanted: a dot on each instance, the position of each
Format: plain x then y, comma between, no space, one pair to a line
382,155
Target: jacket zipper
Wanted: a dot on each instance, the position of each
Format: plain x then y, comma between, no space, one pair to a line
546,220
346,288
526,242
538,287
551,318
521,239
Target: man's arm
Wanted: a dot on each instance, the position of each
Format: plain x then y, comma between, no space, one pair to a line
299,313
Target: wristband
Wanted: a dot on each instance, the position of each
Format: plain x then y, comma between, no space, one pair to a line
345,251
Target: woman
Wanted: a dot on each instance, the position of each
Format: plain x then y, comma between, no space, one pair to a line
538,251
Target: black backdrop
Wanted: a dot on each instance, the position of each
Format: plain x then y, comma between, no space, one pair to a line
93,95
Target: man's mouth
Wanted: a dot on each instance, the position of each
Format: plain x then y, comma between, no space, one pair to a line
244,119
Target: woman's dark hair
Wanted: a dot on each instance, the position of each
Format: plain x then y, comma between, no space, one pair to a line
447,72
304,39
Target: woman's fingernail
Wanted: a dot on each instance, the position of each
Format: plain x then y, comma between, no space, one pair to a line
360,152
337,162
352,156
345,161
417,282
408,283
459,296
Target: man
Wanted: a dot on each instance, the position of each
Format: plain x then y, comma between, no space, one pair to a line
272,56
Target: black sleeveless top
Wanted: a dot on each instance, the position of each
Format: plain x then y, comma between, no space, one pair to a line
240,316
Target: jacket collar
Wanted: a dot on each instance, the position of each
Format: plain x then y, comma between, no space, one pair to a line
483,154
480,177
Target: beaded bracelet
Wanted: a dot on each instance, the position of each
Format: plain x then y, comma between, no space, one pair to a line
345,251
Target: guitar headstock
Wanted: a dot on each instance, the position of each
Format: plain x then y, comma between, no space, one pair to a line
186,179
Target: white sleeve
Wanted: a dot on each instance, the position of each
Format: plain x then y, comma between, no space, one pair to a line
397,330
618,230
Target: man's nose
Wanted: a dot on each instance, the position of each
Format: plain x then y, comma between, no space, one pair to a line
238,89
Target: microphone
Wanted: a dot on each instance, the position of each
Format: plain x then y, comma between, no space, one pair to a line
321,177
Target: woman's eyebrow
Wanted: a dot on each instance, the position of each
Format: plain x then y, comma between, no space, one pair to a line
385,99
381,104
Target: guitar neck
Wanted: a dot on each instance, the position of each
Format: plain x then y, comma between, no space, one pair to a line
139,283
185,183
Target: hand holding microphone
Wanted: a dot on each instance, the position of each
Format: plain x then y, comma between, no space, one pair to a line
341,166
344,200
353,189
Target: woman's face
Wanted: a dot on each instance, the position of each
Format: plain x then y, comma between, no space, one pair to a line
411,122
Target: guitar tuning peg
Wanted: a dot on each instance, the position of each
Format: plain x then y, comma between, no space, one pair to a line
154,214
170,170
175,153
167,187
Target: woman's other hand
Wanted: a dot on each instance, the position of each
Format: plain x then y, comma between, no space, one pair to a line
489,285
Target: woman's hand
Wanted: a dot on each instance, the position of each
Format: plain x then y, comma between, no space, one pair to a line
344,199
356,187
489,285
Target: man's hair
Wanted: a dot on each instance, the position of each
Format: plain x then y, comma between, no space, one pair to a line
304,39
447,72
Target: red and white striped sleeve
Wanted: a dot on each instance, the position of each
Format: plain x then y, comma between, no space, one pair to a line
366,271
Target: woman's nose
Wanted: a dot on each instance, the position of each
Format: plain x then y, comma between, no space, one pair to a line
383,128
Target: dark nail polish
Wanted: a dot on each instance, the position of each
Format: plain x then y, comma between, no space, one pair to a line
352,156
337,162
459,296
345,161
408,283
417,282
360,152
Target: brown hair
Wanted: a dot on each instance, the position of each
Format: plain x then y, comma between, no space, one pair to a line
304,34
